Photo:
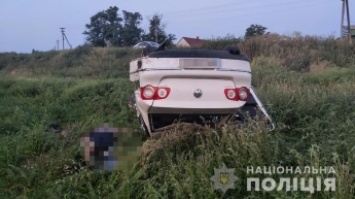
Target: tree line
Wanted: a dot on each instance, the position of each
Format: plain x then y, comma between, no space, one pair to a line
109,28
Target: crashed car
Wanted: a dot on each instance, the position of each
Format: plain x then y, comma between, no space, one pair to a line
192,86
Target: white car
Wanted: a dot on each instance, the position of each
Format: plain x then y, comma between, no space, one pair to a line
191,85
144,44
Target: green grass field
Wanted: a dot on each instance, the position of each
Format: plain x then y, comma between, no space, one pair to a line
308,91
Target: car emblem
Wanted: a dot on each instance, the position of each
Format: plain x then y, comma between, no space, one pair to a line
198,93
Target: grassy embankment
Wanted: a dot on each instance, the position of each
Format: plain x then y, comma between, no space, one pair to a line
307,85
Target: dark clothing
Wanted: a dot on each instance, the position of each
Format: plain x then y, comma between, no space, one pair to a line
102,142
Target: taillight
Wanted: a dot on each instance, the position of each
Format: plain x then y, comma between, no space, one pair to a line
243,94
231,94
149,92
162,92
237,94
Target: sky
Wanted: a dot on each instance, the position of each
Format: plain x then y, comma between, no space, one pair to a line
34,24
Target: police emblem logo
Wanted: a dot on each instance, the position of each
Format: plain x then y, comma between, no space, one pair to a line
224,178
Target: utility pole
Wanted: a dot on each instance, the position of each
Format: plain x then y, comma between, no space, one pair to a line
348,16
65,37
62,30
345,8
57,44
342,19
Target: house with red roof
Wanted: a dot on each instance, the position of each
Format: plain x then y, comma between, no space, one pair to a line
188,42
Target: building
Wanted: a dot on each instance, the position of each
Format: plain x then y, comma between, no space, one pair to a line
352,31
188,42
345,31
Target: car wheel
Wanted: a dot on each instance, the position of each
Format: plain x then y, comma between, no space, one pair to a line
143,129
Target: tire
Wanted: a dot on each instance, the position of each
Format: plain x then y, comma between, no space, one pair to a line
143,129
250,113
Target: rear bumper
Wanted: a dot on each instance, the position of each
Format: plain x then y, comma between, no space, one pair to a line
179,110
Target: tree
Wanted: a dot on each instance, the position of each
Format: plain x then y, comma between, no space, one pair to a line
104,27
254,30
131,32
156,31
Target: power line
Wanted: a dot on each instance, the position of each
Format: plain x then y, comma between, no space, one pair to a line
194,10
232,7
217,15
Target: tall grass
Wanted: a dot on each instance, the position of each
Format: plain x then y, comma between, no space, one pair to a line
294,53
84,61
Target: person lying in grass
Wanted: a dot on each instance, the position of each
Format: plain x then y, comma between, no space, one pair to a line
98,147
